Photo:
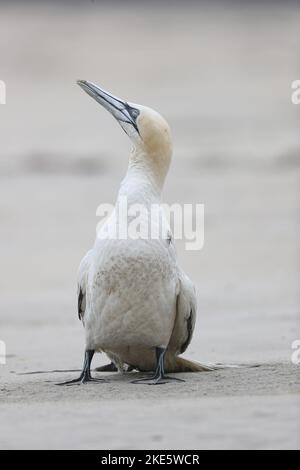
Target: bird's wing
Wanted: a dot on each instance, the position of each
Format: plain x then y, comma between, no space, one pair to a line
186,309
82,280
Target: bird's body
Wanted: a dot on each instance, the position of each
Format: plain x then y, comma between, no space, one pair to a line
135,302
132,289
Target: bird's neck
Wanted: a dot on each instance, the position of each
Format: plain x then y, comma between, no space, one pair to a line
144,178
139,187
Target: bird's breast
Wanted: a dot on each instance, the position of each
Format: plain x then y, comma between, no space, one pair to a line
132,294
129,264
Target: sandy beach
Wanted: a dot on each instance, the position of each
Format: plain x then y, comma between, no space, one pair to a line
223,81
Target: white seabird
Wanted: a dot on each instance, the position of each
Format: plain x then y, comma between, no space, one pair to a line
135,302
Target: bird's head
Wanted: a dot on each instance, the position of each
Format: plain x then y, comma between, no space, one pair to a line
147,129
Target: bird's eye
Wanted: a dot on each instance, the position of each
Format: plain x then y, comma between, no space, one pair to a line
134,113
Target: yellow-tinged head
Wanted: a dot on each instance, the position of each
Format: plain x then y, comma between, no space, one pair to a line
147,129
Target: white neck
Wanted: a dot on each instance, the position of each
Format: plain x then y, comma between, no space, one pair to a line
144,178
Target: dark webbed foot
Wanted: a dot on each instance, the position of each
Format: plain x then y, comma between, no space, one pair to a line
82,380
107,368
85,376
156,380
159,377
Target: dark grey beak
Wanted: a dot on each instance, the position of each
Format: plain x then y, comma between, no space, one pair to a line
124,113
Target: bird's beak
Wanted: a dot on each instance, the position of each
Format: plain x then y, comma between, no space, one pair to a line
124,113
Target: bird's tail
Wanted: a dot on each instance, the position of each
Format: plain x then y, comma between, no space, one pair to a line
179,364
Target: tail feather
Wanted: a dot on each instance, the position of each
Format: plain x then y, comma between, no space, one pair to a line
179,364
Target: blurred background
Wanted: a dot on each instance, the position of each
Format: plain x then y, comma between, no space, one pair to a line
221,74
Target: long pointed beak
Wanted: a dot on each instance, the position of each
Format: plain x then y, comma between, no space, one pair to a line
120,109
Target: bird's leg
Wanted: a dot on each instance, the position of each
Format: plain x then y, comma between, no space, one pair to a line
85,375
107,368
159,376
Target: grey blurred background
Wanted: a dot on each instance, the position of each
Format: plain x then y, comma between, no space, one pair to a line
221,74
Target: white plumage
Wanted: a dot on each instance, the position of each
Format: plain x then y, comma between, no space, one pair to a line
135,302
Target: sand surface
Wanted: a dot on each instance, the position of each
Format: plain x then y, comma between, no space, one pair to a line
223,80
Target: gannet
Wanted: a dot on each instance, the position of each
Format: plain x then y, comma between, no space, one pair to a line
136,303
